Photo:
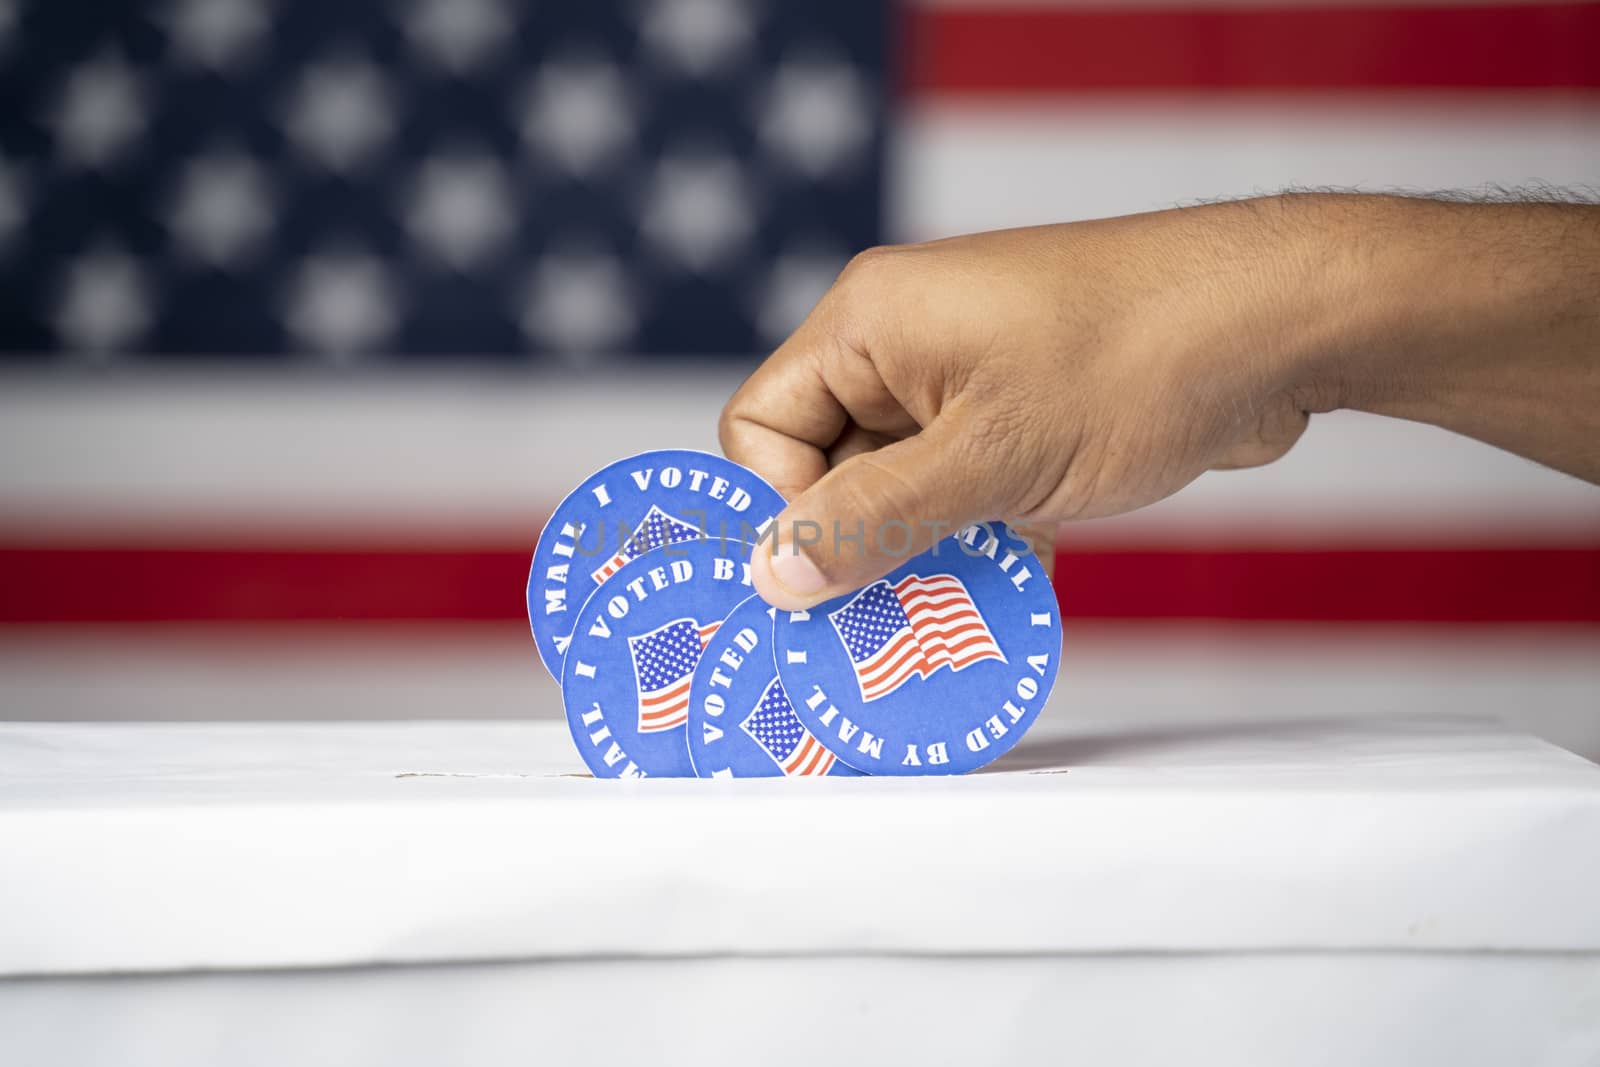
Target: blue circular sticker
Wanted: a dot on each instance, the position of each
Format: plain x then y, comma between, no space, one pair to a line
634,649
937,668
626,509
741,724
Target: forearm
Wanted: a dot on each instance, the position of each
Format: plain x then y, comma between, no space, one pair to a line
1480,318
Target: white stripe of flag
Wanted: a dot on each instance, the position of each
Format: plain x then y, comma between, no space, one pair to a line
944,629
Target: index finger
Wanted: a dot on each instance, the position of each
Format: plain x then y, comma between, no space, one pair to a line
780,422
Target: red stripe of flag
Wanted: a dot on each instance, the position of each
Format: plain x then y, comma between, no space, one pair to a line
45,583
941,632
666,709
936,639
996,49
919,662
665,696
893,668
810,758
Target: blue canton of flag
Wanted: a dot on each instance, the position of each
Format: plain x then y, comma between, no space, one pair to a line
912,628
265,178
657,529
778,730
663,662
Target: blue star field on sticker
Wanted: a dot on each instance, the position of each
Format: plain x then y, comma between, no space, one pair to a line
663,664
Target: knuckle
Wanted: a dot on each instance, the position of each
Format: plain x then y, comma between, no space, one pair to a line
735,423
869,268
726,428
869,259
863,289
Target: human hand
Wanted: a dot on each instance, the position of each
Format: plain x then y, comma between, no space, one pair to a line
1035,376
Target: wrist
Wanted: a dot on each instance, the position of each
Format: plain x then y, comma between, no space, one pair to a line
1434,311
1302,282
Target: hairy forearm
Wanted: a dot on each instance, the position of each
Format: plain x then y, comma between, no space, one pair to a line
1068,372
1480,318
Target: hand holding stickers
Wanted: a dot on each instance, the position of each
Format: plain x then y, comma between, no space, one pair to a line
640,601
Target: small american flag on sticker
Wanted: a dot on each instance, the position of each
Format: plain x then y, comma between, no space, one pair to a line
910,629
657,528
777,729
663,661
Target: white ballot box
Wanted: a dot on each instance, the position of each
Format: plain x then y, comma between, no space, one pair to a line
1373,893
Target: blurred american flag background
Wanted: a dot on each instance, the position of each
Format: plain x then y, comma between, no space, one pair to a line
311,312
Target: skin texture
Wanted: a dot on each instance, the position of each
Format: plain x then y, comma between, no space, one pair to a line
1069,372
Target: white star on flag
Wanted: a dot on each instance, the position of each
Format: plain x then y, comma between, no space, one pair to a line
460,208
104,305
458,35
698,210
698,36
8,22
100,112
579,303
578,113
817,116
222,208
341,113
341,304
13,204
215,34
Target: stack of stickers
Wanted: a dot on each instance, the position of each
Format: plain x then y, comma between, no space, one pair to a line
670,666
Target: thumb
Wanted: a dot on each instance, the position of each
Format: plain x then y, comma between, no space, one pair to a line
873,512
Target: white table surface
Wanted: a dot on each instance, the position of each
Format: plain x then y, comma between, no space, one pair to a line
181,846
1325,893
